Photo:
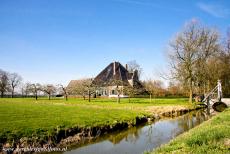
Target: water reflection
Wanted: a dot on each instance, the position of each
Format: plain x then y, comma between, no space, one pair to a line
143,138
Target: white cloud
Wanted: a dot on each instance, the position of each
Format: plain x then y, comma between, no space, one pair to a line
218,11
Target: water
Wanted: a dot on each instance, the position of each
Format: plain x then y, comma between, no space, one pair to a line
147,137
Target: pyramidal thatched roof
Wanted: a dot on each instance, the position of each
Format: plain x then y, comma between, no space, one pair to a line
112,73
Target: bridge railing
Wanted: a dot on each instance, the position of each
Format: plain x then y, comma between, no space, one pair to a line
217,89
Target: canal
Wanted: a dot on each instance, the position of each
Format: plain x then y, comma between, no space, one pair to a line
142,138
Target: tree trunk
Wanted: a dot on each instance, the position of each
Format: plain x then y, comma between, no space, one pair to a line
36,96
12,93
65,92
129,98
2,93
22,93
66,97
89,95
190,91
118,98
49,96
190,96
150,98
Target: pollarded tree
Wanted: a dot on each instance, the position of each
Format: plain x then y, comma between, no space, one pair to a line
189,52
4,82
14,80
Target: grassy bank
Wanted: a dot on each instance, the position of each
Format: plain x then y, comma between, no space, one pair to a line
212,136
20,117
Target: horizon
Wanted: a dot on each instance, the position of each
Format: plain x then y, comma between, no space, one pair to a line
58,41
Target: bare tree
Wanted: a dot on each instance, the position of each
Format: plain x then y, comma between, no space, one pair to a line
175,89
150,88
82,87
227,48
89,87
131,91
134,66
14,80
153,87
49,89
64,90
189,51
26,89
119,87
119,91
4,82
221,65
35,88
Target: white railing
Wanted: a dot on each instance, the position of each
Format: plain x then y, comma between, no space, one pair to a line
217,89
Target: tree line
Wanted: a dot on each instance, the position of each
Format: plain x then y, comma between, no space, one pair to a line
85,88
10,81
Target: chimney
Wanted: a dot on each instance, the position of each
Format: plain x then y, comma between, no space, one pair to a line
114,68
126,67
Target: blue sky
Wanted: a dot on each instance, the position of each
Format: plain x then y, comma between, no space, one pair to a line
54,41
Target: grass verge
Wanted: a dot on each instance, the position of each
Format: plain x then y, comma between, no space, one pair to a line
26,117
212,136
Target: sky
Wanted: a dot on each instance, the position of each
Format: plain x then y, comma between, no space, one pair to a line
55,41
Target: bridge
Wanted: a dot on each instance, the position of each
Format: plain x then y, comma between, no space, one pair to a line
224,100
210,101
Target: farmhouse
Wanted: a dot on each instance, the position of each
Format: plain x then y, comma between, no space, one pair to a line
114,79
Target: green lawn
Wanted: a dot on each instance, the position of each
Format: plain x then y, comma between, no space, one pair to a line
212,136
21,117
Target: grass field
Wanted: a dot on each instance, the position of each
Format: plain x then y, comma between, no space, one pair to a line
21,117
212,136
